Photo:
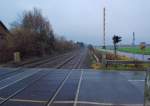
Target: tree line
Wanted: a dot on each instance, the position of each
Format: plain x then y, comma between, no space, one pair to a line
33,35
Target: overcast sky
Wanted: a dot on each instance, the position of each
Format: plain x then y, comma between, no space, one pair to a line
82,20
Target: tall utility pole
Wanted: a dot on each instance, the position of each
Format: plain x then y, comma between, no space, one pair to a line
104,28
133,41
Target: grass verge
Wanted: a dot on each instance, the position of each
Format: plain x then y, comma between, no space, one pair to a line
111,56
135,50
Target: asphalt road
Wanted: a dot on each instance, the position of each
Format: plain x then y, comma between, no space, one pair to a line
131,55
82,87
136,56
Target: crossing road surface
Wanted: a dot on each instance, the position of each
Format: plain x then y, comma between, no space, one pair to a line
80,87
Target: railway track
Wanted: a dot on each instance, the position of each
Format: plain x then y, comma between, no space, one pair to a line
54,62
33,65
74,62
53,87
51,62
77,59
51,100
7,74
44,61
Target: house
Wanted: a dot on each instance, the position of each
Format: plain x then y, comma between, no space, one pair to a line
3,30
3,34
4,51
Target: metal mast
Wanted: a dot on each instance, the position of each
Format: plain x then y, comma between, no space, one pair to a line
133,41
104,28
133,44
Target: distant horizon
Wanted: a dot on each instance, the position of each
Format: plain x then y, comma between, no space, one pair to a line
83,20
121,44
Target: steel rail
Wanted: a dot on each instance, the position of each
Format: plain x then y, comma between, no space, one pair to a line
40,77
51,100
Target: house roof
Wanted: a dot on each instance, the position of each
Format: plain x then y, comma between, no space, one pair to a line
1,23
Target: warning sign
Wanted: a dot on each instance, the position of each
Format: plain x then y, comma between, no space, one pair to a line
142,45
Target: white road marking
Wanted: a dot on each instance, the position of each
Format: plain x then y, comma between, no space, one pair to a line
78,89
136,80
8,81
95,103
63,102
58,90
25,100
29,101
70,102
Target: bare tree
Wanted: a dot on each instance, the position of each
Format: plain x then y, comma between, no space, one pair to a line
34,25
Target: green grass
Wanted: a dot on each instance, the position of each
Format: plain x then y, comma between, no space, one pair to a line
135,50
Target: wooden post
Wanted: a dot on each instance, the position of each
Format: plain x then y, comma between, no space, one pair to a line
104,60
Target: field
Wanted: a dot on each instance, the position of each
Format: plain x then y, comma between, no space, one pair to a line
135,50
